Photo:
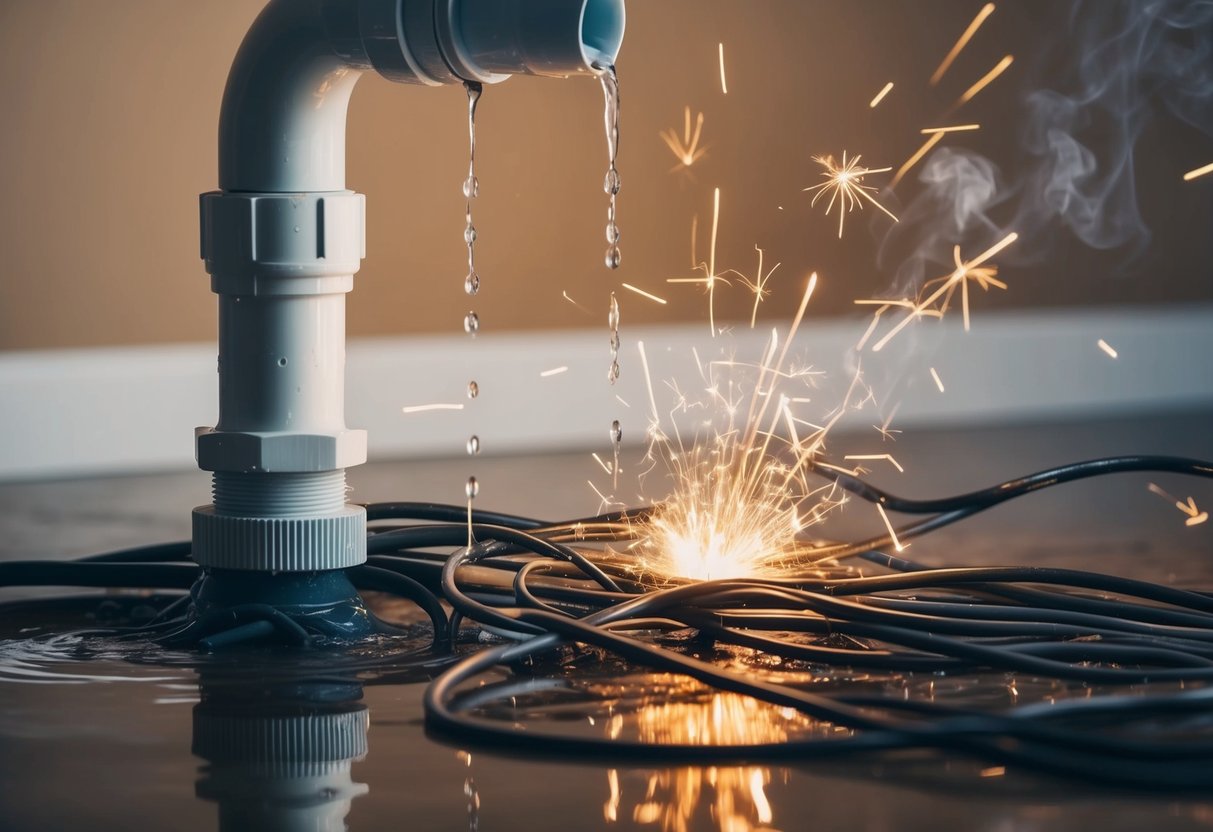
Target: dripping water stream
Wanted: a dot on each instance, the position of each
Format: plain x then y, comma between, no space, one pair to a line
471,283
610,184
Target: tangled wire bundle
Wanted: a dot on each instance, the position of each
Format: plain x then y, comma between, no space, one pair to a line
1139,655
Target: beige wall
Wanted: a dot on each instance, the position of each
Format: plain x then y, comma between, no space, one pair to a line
108,135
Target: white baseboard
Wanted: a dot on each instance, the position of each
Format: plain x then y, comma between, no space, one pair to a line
73,412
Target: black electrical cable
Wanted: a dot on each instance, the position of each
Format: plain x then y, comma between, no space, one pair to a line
534,582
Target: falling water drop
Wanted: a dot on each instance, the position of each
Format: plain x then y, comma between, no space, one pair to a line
471,185
471,283
616,433
473,445
471,323
473,389
472,488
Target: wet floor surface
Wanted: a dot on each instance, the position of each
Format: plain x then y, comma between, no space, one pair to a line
109,738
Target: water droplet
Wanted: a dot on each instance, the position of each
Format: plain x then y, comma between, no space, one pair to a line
471,187
296,229
469,234
473,389
473,445
471,323
612,234
614,341
611,182
613,314
613,372
471,283
616,432
612,257
472,488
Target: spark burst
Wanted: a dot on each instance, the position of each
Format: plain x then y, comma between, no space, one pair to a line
758,285
844,183
710,277
741,493
937,301
686,148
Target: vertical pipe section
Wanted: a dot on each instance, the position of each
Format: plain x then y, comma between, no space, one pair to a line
283,238
282,363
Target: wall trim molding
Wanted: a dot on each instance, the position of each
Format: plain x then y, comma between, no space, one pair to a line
107,410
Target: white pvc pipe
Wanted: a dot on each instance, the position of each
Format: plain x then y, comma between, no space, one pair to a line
283,239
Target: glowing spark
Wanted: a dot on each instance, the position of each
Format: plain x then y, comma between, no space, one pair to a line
916,158
567,297
844,184
712,263
710,277
648,383
644,294
938,381
994,771
1192,174
694,242
601,496
871,327
685,149
985,80
1106,347
555,371
955,128
959,278
606,466
889,526
880,95
887,457
1195,515
736,496
965,37
758,285
425,408
724,87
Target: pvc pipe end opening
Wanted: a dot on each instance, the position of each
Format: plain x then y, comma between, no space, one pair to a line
602,26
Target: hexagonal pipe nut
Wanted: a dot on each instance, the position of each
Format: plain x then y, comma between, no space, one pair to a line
278,451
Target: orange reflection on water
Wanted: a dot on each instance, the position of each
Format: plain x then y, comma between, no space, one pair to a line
731,798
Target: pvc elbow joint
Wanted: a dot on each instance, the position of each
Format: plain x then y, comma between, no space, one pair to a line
449,41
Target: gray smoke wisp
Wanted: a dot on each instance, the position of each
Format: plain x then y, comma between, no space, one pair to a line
1124,62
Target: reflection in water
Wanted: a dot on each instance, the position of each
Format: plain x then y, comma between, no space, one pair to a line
471,792
734,797
281,763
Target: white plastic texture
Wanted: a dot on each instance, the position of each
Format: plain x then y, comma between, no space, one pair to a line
283,239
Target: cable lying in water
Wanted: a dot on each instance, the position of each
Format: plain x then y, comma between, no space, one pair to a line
1128,661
